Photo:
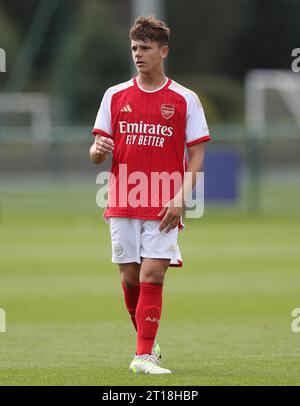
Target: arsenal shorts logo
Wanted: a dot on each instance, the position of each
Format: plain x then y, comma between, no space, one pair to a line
167,110
118,249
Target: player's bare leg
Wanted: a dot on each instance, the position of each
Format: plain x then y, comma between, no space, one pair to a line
130,277
153,270
148,314
130,274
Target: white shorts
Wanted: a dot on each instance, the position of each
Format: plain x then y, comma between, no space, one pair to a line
134,238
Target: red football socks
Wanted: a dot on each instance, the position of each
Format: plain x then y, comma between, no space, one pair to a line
147,316
131,296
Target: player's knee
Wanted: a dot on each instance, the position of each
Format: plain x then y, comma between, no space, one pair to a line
129,276
152,277
130,282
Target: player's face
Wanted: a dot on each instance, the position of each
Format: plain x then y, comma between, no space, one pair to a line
148,56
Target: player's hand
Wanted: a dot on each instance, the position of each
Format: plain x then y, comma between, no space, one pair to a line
104,145
172,216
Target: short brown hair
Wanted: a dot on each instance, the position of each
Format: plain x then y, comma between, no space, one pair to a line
149,29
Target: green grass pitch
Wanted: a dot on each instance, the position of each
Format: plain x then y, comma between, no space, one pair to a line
226,317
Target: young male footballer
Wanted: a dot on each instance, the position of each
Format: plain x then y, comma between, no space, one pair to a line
147,124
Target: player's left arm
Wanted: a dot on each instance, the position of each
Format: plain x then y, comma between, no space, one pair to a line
195,165
195,135
172,214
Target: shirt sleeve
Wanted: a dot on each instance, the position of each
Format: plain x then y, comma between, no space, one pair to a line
103,120
196,126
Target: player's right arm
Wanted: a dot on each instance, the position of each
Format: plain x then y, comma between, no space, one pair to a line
102,131
101,148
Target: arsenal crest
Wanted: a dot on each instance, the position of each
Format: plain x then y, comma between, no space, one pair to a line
167,110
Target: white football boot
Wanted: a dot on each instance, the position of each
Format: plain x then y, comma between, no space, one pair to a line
147,364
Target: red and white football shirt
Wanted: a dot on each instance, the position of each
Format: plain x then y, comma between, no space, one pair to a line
150,130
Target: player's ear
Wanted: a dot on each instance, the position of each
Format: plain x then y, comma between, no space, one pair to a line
164,51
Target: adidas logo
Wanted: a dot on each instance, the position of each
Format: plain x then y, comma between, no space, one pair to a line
127,108
173,247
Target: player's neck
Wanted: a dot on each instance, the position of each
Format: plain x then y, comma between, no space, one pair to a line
151,81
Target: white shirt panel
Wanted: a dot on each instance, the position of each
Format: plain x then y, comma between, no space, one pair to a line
103,119
196,125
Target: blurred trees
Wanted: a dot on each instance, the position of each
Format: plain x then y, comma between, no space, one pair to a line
97,55
232,36
85,50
